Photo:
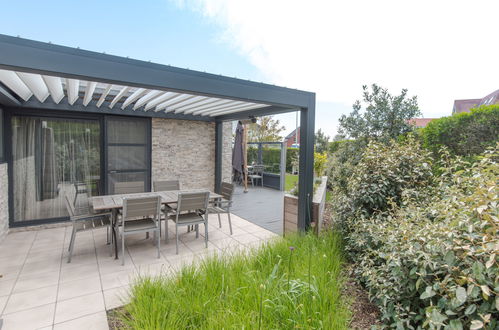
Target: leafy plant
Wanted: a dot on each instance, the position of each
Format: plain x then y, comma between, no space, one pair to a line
319,163
385,116
464,134
432,261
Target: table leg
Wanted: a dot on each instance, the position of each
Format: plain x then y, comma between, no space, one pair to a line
115,218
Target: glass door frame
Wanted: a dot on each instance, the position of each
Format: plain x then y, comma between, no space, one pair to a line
59,114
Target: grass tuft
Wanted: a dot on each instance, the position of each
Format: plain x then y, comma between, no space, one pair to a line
274,287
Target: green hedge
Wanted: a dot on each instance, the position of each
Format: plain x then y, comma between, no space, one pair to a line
425,247
465,134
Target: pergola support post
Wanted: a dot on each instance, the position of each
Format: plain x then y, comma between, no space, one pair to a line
218,154
306,175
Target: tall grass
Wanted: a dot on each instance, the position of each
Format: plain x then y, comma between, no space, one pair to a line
274,287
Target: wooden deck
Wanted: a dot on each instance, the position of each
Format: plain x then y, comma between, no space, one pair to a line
261,206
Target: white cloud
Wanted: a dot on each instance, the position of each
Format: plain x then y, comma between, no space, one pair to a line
439,50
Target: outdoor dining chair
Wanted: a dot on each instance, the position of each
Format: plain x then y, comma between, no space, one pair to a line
223,205
167,185
192,210
85,221
140,214
256,173
129,187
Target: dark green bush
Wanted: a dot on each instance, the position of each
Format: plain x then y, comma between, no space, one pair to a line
464,134
379,178
429,256
343,157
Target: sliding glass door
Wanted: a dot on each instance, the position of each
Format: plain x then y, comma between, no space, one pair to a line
128,145
53,158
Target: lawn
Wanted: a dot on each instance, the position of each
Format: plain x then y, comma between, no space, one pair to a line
288,283
290,182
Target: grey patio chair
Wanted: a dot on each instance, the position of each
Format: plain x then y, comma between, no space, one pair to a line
223,205
129,187
140,214
85,221
166,185
256,174
192,210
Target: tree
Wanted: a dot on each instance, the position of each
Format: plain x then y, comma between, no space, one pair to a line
385,116
266,129
321,141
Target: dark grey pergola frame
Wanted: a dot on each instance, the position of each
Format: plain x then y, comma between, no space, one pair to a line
43,58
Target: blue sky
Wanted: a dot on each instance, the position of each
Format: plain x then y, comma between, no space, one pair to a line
155,30
329,47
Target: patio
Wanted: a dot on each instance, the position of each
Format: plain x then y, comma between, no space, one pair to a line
40,290
261,206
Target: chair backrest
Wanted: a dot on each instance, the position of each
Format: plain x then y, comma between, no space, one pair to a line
141,207
193,201
227,190
258,169
129,187
69,205
166,185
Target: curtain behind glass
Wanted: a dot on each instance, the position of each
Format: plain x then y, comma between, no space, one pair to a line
53,158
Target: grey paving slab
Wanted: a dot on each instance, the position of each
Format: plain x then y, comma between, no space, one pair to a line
261,206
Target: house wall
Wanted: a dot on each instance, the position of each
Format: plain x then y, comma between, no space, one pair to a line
185,150
4,202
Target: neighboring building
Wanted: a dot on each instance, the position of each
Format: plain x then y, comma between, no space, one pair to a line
293,138
420,122
464,105
467,105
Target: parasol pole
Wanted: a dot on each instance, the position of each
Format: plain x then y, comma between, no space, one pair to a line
245,157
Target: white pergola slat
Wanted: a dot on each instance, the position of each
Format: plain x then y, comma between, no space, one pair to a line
121,93
72,87
36,84
12,81
104,95
89,92
146,98
165,97
134,97
208,106
54,84
24,85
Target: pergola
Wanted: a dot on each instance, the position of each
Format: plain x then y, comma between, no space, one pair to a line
44,76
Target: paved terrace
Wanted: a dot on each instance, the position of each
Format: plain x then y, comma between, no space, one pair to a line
40,290
261,206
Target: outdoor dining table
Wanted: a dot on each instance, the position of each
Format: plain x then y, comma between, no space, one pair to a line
115,203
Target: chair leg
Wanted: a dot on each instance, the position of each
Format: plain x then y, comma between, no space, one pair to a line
176,238
230,222
71,244
123,249
219,221
206,232
197,231
107,235
166,230
147,235
159,239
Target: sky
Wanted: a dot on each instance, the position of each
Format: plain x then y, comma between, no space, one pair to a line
438,50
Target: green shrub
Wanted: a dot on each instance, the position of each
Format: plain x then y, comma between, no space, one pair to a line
384,172
275,287
343,157
432,262
464,134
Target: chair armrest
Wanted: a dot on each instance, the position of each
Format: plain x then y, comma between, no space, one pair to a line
90,216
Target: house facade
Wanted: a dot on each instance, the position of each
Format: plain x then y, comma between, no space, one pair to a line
74,123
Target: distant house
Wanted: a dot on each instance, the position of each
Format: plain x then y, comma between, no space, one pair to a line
293,138
420,122
467,105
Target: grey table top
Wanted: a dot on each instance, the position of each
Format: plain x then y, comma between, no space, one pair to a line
107,202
